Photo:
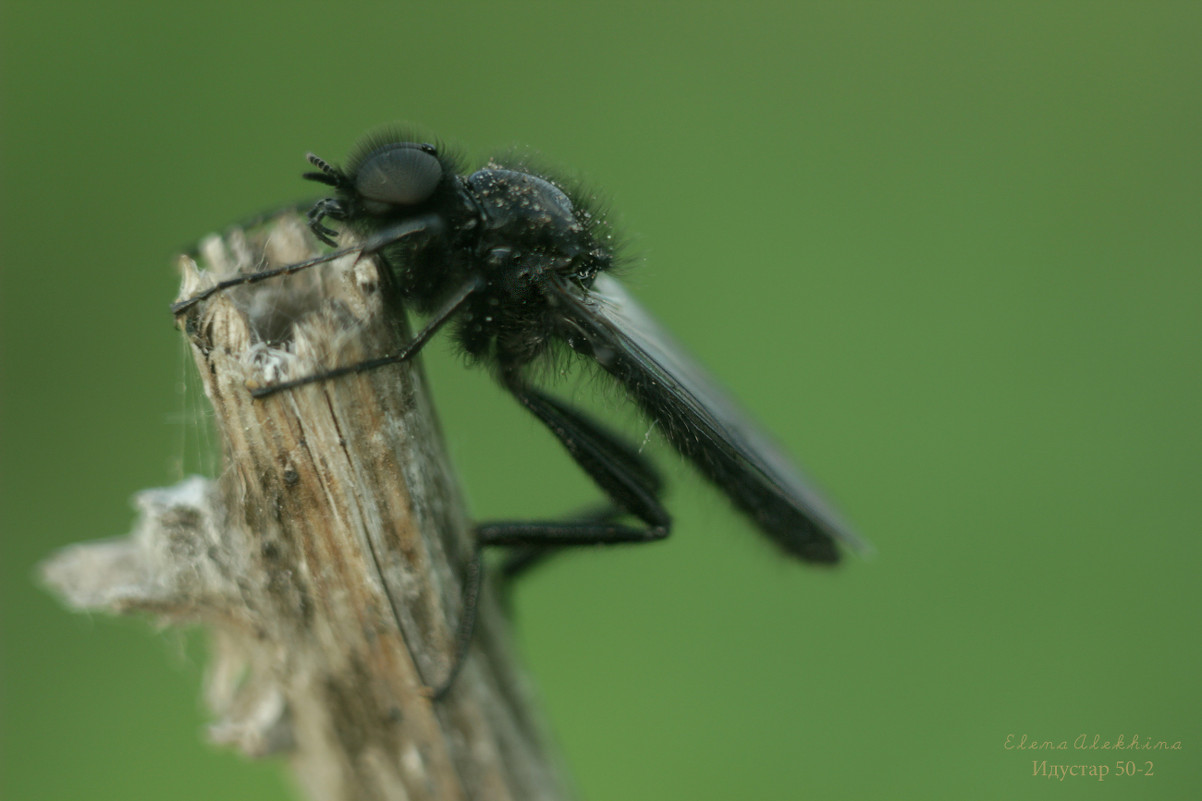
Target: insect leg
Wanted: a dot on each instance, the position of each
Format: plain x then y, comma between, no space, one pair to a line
555,415
629,480
411,348
519,560
326,207
618,469
368,246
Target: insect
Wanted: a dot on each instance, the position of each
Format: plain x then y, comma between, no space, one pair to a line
520,267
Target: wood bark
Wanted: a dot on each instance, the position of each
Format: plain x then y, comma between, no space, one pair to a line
327,559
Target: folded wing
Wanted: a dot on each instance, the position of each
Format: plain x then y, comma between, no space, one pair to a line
703,422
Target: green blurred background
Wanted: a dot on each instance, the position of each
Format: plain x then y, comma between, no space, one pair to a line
948,252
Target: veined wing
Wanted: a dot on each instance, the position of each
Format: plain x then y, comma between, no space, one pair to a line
704,423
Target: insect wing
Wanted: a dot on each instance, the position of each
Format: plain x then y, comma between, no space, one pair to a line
620,329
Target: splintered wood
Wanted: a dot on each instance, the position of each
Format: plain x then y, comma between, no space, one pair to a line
326,561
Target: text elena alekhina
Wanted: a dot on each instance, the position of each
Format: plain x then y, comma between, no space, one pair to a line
1098,769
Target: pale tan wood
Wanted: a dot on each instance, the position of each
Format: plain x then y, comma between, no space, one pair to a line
327,559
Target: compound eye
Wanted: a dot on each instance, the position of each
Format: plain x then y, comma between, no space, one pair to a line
404,174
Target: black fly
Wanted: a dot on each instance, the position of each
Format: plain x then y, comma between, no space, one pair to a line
520,267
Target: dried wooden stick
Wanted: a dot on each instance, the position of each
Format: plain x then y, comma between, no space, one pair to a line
327,560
